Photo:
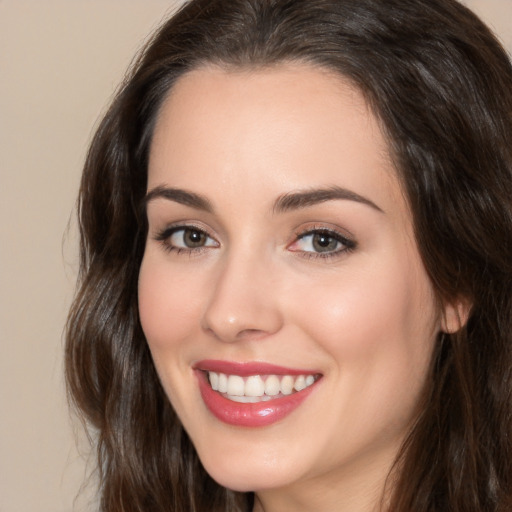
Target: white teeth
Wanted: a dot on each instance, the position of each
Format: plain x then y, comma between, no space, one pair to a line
214,381
272,385
300,383
287,385
223,383
256,388
236,385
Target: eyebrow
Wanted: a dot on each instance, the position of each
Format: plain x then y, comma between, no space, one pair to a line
287,202
180,196
306,198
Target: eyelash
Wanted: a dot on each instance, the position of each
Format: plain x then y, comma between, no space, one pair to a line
165,235
348,244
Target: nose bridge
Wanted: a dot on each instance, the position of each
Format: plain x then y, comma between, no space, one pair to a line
242,301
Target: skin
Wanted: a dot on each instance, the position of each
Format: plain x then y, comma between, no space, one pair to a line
366,318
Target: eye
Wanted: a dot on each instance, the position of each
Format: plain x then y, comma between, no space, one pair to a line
185,238
190,238
322,243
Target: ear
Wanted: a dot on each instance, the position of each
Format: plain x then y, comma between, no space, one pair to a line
455,315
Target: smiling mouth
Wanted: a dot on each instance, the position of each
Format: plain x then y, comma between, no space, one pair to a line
258,388
253,394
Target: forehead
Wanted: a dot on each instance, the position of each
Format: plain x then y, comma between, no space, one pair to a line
292,126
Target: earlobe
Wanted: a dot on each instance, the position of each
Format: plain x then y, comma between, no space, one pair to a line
455,316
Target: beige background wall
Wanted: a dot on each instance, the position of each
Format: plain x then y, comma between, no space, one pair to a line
60,62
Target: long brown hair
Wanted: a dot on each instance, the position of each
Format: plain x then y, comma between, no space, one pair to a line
441,85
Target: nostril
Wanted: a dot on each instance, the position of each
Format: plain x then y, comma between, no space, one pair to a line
243,334
251,334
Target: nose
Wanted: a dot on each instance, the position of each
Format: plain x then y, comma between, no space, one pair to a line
243,303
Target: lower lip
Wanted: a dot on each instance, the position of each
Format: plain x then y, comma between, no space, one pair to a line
257,414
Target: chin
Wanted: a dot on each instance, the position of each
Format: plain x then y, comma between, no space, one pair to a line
246,473
251,480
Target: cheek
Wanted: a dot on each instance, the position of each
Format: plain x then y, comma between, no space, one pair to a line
377,331
386,318
168,304
168,310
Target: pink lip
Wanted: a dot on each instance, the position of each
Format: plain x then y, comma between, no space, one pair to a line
258,414
250,368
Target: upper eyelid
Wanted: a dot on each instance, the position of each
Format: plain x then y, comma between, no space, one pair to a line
311,231
325,228
334,234
176,226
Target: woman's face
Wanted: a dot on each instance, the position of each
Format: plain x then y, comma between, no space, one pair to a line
281,266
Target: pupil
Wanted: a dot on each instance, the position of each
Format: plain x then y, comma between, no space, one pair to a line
194,238
323,242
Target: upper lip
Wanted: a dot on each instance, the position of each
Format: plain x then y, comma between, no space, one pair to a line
245,369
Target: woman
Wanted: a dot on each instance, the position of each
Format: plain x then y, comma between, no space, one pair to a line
296,280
